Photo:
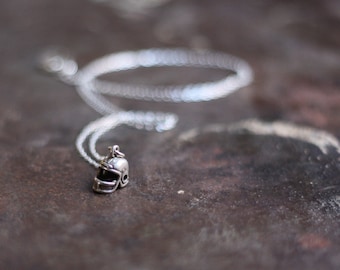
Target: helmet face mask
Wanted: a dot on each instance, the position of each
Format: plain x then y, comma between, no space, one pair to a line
106,175
113,172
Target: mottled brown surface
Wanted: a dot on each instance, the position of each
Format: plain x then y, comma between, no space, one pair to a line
249,202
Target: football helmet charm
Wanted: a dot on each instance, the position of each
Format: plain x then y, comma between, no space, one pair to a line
113,172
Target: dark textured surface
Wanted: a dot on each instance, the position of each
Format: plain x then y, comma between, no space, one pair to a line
249,202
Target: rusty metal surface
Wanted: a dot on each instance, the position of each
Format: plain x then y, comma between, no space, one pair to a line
201,196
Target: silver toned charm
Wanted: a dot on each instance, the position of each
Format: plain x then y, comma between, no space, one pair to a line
113,172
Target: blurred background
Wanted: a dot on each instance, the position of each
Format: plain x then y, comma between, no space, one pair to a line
248,200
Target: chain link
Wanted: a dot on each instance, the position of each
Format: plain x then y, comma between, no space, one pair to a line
92,89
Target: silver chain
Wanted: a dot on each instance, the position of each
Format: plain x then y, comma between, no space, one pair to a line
92,89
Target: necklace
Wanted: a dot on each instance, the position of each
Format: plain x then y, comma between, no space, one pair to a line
113,169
